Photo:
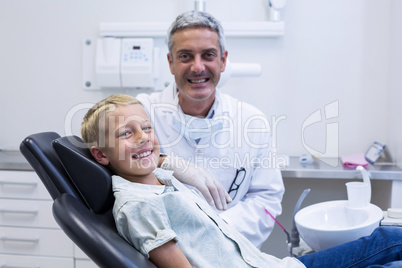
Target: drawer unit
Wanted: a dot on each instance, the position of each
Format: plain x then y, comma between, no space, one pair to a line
14,261
30,241
23,213
84,263
29,235
22,184
82,260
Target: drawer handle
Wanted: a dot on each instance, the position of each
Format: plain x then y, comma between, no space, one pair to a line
25,212
20,240
8,266
13,183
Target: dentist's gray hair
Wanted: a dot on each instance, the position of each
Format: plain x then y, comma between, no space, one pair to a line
196,19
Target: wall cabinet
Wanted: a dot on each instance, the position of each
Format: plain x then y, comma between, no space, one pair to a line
29,235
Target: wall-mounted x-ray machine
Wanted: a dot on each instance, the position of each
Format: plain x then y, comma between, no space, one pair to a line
133,55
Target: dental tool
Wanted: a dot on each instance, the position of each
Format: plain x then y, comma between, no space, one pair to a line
295,237
280,225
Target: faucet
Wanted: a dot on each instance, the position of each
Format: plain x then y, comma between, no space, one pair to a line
366,180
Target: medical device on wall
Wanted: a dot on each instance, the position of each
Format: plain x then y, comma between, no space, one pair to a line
239,70
124,63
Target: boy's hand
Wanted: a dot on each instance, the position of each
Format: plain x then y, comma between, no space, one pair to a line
201,178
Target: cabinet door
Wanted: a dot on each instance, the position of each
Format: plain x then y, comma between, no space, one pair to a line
22,184
13,261
27,213
84,264
81,259
35,241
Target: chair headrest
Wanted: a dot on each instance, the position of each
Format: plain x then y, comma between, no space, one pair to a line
92,180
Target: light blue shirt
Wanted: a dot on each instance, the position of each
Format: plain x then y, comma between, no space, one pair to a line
148,216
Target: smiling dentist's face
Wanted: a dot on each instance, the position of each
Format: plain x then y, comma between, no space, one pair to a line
196,63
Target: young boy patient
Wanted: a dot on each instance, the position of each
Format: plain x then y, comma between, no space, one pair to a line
153,211
171,225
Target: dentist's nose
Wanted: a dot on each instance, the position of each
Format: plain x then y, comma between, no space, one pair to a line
197,66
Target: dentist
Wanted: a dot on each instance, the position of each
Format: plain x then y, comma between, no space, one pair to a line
231,139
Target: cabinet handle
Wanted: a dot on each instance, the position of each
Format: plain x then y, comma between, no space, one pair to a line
26,212
20,240
8,266
26,184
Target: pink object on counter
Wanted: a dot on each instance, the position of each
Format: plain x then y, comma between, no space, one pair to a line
352,161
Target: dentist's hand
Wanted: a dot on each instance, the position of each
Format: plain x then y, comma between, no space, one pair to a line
199,177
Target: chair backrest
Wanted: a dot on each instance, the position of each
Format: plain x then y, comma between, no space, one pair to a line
92,180
83,198
38,151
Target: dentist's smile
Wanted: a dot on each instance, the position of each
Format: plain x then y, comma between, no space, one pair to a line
199,81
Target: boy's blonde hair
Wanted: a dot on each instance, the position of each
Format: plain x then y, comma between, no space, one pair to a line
94,121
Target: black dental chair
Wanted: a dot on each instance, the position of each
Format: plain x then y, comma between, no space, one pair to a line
83,199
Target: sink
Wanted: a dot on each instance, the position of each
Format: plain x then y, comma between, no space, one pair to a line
332,223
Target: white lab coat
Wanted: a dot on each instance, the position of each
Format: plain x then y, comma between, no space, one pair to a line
242,140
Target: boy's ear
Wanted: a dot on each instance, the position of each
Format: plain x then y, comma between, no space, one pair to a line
99,156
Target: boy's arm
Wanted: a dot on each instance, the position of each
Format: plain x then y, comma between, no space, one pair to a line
168,255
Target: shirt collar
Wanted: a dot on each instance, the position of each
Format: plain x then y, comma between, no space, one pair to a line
164,177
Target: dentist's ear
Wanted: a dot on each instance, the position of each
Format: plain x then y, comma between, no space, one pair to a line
99,156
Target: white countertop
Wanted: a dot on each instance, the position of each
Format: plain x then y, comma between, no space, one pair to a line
319,169
13,160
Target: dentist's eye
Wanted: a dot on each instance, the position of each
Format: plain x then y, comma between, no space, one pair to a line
184,57
209,55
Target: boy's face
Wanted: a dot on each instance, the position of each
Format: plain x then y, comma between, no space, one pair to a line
132,148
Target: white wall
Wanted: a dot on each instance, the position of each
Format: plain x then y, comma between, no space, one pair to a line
395,85
331,50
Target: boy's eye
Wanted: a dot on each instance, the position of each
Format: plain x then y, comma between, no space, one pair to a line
124,134
147,128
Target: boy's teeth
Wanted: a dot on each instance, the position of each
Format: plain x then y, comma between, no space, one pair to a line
144,154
